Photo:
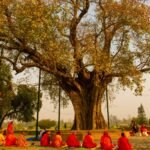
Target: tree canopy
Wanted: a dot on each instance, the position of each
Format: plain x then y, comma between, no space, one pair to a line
84,44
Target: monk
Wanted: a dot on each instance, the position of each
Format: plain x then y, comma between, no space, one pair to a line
2,138
88,141
10,137
57,140
45,139
106,142
72,141
123,143
10,128
21,141
10,140
143,130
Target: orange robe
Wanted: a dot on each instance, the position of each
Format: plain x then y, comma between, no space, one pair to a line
72,141
21,141
106,143
88,142
10,140
10,128
57,141
123,144
2,139
10,137
45,140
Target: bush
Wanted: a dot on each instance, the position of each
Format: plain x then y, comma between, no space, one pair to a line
46,123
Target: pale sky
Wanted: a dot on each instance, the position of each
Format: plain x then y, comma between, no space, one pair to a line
124,105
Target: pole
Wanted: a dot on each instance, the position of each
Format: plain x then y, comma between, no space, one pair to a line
38,102
59,97
107,107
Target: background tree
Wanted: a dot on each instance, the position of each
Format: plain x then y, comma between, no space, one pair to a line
141,119
83,52
46,123
6,92
22,105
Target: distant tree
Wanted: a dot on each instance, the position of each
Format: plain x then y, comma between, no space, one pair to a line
141,119
20,106
24,104
46,123
6,93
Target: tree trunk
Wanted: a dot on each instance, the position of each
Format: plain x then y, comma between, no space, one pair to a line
87,107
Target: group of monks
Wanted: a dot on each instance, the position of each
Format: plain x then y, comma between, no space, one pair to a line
11,139
88,141
72,140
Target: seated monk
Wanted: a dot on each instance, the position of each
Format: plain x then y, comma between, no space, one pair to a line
2,138
106,142
72,141
123,143
10,128
21,141
88,141
57,140
45,139
10,140
10,137
143,130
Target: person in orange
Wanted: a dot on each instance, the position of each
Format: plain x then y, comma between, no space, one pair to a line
72,140
123,143
106,142
45,139
10,137
88,141
10,128
143,130
10,140
57,140
21,141
2,138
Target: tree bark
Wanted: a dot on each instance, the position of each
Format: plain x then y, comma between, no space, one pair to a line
87,107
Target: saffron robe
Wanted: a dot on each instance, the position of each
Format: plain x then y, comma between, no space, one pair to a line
2,139
88,142
10,140
123,144
72,141
57,141
106,143
21,141
45,140
10,128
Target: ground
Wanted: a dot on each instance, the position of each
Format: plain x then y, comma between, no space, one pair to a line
139,143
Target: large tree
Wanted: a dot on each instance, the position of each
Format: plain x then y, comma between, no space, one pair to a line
85,45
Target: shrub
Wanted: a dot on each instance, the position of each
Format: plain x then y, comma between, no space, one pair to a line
46,123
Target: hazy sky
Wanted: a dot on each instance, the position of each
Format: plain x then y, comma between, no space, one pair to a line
124,105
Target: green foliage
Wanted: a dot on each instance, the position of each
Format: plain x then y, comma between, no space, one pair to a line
141,119
6,92
46,123
25,103
20,104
